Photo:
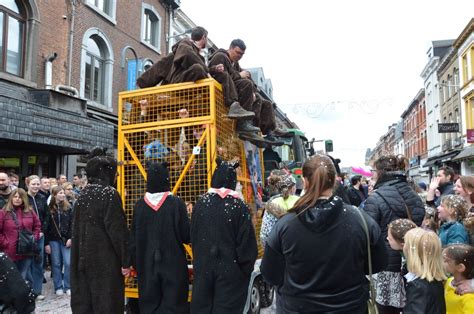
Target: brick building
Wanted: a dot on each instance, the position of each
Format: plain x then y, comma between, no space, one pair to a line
415,136
63,63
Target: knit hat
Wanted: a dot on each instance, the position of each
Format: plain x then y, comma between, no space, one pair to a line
158,178
101,169
225,175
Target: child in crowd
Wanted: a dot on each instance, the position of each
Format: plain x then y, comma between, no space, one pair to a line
396,237
451,212
459,261
425,292
396,233
430,221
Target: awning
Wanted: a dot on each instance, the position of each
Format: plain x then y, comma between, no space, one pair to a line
440,158
466,153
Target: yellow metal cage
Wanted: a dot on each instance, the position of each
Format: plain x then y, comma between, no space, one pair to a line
185,125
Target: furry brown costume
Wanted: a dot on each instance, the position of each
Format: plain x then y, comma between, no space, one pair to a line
99,242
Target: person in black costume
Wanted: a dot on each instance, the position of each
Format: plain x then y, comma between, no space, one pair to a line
224,246
160,227
99,241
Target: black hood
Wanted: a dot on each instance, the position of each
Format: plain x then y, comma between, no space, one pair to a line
101,169
225,175
323,214
158,178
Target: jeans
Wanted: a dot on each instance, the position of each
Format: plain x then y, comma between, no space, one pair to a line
23,266
37,270
60,255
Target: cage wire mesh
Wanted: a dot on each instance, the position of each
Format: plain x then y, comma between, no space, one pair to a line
184,125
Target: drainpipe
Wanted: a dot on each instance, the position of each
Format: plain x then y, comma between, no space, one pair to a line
48,70
71,38
170,29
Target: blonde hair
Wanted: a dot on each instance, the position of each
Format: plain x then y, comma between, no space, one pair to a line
424,255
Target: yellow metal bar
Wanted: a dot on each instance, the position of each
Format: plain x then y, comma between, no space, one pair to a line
190,161
213,138
131,293
120,154
170,88
132,128
188,250
135,159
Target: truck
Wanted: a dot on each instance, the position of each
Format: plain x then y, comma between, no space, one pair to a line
186,125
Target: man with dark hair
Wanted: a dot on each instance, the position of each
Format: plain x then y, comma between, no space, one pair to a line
76,183
356,195
188,65
61,179
240,94
443,183
5,189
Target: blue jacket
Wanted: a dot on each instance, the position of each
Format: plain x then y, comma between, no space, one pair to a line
453,232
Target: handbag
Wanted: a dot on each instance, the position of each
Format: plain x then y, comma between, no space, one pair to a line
63,240
371,305
26,244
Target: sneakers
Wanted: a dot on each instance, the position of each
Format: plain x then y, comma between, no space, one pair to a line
68,291
246,127
39,297
237,112
59,292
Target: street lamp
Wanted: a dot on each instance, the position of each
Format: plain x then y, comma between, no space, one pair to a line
168,37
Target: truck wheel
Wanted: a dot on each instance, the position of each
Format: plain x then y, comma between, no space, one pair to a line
255,297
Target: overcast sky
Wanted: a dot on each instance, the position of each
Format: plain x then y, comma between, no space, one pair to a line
342,70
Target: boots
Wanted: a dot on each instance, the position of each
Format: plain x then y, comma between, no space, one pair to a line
280,133
255,139
273,140
244,126
237,112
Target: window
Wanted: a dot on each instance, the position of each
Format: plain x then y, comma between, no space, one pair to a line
448,86
151,26
94,72
96,68
147,63
456,79
104,7
12,37
465,68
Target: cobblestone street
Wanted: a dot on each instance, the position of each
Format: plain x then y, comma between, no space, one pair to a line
52,303
61,304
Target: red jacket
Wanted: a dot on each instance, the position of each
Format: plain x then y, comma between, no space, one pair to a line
9,230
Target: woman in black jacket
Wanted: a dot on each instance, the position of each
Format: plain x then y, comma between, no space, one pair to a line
317,254
392,199
58,240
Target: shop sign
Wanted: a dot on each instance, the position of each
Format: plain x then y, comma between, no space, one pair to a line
470,135
448,127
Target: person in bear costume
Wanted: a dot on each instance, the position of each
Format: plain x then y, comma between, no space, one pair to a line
160,227
99,241
224,246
